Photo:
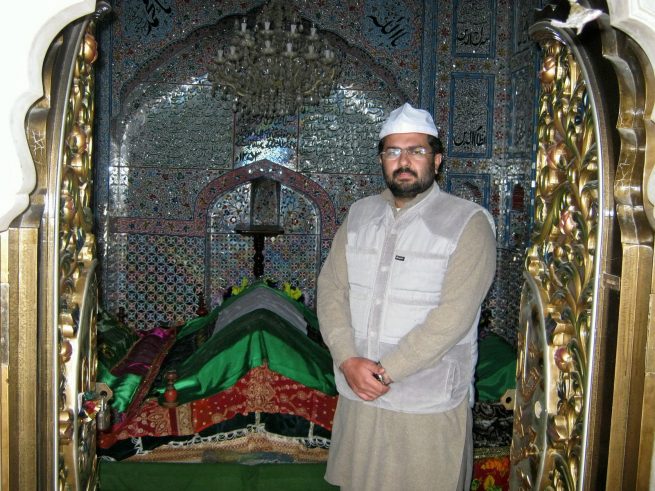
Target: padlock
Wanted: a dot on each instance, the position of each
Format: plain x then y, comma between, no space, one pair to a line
103,418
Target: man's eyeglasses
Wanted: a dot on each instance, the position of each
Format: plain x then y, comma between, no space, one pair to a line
414,153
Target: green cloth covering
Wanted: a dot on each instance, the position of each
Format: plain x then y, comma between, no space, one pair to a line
114,339
198,323
255,338
496,368
123,387
141,476
221,361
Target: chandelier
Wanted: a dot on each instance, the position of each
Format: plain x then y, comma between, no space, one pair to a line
275,65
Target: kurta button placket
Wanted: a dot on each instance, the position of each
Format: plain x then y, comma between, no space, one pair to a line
380,289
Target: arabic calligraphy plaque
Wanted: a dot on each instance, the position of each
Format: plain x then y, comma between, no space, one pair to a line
521,116
474,29
471,118
388,24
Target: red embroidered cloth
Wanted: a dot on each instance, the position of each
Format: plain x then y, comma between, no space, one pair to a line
260,390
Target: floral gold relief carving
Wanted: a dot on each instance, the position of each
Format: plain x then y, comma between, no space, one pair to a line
557,298
77,285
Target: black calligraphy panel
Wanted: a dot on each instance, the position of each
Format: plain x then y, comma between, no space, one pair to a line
389,24
522,18
521,111
471,117
474,28
147,20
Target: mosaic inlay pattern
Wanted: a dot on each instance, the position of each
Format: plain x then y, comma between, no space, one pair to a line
156,192
505,297
297,213
177,126
231,209
231,261
156,278
232,255
472,187
347,188
276,141
342,138
517,217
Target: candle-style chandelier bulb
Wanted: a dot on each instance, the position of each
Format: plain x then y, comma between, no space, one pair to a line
275,65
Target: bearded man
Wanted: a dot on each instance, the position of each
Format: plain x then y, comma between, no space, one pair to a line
398,304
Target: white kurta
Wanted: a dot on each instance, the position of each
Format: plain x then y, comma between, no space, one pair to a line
377,449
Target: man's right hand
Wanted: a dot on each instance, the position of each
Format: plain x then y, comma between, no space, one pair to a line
359,375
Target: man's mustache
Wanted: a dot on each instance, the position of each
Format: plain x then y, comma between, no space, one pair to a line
404,169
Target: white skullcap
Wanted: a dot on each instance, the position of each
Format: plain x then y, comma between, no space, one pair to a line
406,119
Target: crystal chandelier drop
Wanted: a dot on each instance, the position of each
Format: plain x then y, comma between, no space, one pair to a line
275,64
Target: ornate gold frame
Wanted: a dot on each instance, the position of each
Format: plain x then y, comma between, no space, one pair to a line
584,315
48,276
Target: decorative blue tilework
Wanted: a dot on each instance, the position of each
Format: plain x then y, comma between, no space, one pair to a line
156,279
473,187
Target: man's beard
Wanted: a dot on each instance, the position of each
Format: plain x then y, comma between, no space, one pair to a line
408,189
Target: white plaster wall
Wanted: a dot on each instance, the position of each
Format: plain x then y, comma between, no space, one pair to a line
27,29
636,18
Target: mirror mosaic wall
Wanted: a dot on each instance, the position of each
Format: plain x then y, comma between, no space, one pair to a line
178,161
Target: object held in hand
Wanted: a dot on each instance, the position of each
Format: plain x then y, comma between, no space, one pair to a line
380,378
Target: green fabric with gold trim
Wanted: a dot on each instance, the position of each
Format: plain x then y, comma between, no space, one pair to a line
258,337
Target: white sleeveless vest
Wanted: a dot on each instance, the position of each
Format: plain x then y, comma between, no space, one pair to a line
396,270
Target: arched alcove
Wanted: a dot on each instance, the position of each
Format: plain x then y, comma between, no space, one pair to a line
306,214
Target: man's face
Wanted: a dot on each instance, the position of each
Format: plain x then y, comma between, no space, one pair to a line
410,173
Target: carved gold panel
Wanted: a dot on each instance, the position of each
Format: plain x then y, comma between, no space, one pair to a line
584,404
557,310
76,288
